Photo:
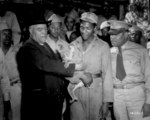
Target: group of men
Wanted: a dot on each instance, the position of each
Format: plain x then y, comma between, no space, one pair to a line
119,75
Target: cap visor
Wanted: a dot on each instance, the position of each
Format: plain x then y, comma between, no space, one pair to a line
116,31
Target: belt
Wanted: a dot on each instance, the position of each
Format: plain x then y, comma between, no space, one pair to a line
127,86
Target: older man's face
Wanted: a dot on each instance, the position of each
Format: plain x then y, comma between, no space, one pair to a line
119,39
39,32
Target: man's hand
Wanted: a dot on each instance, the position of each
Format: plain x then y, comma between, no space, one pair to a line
80,66
103,112
86,79
146,110
66,65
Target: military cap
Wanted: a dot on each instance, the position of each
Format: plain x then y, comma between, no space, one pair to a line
117,26
54,18
104,25
48,14
3,26
89,17
73,14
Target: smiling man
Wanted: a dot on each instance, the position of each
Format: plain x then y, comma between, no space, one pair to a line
95,98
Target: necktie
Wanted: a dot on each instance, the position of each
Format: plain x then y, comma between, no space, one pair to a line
120,71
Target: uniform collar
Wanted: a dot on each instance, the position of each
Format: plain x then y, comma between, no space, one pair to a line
91,45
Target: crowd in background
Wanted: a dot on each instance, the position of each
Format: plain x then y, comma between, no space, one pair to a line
63,65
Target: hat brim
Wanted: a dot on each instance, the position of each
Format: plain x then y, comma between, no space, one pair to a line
38,22
88,20
116,31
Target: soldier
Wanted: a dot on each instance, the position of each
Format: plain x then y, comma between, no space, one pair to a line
131,76
96,59
136,35
9,62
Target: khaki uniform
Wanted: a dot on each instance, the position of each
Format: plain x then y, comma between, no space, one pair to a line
97,61
11,83
134,90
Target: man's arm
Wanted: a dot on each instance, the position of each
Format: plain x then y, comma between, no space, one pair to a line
146,71
107,75
107,81
45,63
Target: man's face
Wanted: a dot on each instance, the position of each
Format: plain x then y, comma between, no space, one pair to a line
39,32
119,39
148,34
6,37
70,23
105,31
54,29
73,36
86,30
135,36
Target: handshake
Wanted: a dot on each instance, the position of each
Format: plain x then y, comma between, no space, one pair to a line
82,79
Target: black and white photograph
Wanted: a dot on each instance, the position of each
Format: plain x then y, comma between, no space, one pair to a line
74,60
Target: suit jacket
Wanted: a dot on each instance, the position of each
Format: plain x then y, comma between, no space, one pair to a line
41,68
42,74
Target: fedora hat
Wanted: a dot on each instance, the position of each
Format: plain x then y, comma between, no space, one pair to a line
37,19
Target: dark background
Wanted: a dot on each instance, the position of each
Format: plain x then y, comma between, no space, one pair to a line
25,8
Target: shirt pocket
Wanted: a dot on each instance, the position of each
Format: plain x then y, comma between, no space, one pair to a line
132,64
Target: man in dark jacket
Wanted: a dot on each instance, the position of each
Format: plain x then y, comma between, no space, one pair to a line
42,74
